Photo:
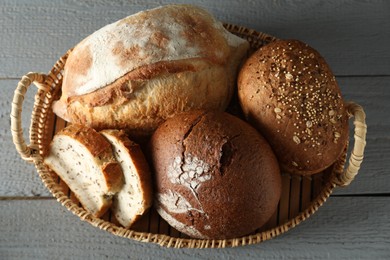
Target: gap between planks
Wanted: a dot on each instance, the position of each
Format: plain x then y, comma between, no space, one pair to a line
337,76
26,198
367,195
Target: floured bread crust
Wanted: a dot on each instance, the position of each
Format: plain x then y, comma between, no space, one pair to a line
215,176
179,45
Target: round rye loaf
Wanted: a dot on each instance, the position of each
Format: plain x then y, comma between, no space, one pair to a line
216,177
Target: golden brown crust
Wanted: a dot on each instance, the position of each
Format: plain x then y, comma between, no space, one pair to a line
140,163
139,106
84,160
113,175
215,176
288,91
135,197
92,140
125,87
100,148
151,66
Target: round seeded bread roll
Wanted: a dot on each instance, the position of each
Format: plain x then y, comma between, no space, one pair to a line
289,93
216,177
139,71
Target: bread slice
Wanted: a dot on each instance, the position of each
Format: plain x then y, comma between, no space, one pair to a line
84,160
135,197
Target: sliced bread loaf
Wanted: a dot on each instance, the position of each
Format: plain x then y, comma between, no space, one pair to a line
135,197
84,160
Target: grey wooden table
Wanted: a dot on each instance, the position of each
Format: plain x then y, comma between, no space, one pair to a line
353,36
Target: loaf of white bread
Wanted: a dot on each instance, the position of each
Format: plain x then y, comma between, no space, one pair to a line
104,170
137,72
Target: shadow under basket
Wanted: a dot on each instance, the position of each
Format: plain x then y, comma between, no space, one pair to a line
301,195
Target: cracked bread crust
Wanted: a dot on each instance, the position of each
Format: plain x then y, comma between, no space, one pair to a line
215,176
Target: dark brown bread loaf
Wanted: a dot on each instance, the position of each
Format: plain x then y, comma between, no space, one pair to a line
289,93
215,175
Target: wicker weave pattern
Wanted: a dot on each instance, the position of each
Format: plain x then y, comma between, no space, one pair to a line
44,125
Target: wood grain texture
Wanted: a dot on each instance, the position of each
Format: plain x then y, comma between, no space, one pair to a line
352,35
373,93
339,230
20,178
38,32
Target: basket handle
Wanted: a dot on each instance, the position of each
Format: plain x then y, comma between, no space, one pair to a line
27,152
357,152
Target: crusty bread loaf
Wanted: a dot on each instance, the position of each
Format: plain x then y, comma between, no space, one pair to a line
287,90
137,72
135,197
83,159
216,177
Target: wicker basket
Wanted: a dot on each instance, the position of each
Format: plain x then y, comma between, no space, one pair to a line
301,196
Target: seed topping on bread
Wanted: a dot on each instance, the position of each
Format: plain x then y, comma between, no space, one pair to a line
288,90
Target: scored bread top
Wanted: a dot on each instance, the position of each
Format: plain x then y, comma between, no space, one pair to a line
172,32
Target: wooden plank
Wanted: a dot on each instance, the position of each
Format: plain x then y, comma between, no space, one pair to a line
143,223
373,93
353,36
283,208
295,190
20,178
306,192
344,228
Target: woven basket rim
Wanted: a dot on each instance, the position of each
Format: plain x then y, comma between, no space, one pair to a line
48,86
